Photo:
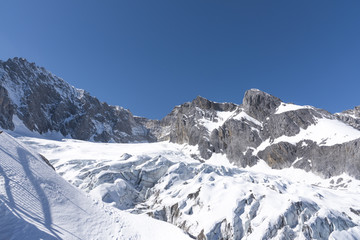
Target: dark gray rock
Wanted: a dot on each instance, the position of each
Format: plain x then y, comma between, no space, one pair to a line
6,110
158,129
289,123
280,155
44,102
234,139
183,124
259,104
238,137
351,117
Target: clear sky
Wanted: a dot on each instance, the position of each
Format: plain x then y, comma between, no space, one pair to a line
149,56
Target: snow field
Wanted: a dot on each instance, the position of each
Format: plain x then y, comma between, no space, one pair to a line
36,203
256,202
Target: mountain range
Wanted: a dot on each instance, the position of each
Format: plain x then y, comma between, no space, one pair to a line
262,169
262,127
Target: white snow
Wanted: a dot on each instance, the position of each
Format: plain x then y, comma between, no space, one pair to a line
326,132
286,107
242,115
220,187
36,203
352,115
22,130
14,91
221,117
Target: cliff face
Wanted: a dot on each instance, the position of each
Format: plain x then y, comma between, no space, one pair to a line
263,127
44,103
351,117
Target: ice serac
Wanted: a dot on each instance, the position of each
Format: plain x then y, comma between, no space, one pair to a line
209,201
33,97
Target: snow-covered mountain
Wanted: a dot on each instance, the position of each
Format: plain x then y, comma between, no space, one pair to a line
262,169
32,99
262,127
265,128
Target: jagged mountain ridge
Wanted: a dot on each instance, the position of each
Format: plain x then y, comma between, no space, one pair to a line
43,102
351,116
192,185
262,127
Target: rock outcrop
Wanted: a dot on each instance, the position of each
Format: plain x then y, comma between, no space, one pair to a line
263,127
259,104
352,117
45,103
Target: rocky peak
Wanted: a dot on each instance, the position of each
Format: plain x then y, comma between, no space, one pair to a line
260,104
206,104
21,67
201,102
45,103
19,61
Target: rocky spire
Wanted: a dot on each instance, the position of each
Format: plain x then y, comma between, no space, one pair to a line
260,104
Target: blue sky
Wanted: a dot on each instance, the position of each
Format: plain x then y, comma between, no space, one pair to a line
149,56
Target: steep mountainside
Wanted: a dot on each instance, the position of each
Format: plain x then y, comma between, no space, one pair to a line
212,169
264,127
42,102
352,117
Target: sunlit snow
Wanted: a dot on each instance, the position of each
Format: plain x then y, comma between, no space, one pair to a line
206,193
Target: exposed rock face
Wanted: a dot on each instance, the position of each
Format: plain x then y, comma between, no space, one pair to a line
352,117
43,103
158,129
263,127
259,104
6,109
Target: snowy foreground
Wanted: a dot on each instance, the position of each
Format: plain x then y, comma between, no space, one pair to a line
210,200
37,203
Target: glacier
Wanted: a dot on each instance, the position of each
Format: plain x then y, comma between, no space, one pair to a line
212,199
36,203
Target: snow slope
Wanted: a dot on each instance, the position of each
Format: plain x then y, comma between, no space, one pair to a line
36,203
285,107
326,132
210,200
